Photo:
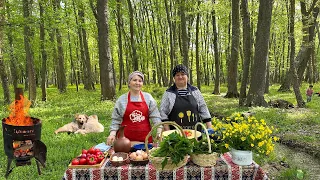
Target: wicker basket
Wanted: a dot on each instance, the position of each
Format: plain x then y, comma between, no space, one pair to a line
209,159
139,163
156,161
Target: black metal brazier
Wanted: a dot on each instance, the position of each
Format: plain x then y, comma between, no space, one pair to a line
22,143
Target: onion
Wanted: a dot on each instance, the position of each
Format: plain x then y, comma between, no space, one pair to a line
139,158
133,155
145,155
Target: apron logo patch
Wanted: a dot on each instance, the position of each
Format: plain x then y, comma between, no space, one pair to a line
136,116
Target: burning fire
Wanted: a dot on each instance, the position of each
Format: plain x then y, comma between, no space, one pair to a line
19,113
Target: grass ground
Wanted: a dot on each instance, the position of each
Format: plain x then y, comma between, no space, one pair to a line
296,127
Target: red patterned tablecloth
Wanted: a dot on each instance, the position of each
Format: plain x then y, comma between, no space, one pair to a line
224,169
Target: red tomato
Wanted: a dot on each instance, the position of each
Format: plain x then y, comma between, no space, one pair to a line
84,151
91,150
187,133
83,161
83,155
75,161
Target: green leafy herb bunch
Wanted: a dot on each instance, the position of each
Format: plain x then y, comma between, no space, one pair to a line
173,146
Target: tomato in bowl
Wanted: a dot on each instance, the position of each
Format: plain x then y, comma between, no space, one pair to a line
188,132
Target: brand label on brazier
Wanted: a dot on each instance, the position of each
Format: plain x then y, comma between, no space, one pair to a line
20,131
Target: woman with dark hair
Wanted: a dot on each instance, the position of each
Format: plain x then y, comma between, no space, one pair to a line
184,103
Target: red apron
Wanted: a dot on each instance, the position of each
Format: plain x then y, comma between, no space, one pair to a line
136,119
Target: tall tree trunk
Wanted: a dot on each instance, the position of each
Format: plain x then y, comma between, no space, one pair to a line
258,76
153,41
105,61
72,64
61,75
43,54
233,63
163,50
296,83
175,35
172,46
132,38
73,76
79,46
87,72
286,81
157,49
13,60
205,52
184,34
3,73
308,22
216,53
119,30
197,48
29,53
247,51
266,88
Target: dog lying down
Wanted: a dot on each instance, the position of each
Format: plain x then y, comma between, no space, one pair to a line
82,124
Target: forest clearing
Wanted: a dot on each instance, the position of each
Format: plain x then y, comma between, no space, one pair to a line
300,126
75,57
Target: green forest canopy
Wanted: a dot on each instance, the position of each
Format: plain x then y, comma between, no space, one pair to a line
152,36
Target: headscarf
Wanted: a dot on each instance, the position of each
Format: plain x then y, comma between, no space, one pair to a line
179,68
135,73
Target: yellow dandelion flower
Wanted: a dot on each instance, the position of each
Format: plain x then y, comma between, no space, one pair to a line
252,137
260,144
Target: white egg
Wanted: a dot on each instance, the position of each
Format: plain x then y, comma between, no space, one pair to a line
115,158
139,152
120,158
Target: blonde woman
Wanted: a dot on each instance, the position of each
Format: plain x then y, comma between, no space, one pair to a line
134,109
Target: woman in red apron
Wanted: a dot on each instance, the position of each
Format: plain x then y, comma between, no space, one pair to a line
134,110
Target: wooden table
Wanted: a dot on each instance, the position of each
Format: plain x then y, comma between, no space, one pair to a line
224,169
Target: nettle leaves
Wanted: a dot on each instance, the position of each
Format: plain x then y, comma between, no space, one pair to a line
173,146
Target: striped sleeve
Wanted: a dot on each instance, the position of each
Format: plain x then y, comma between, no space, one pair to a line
166,105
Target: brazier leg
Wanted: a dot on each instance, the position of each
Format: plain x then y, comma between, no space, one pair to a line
38,167
8,167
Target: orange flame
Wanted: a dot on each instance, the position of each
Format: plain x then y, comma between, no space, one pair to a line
19,113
